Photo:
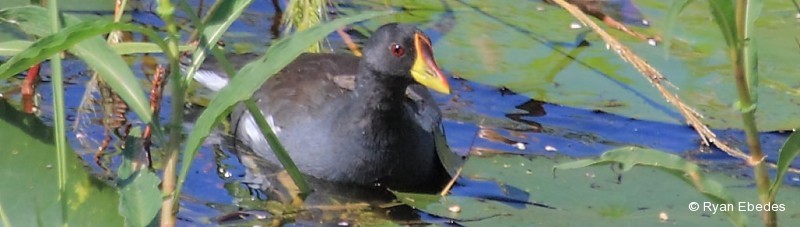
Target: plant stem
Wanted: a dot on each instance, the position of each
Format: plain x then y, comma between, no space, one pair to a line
745,72
272,139
60,136
169,206
277,148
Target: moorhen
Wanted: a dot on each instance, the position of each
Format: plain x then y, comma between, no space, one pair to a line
356,120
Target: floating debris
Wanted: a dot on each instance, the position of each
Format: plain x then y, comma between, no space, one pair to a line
454,208
224,172
550,148
520,145
663,217
575,25
652,42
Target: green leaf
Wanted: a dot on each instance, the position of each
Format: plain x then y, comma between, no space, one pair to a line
590,196
725,18
677,166
140,198
250,78
91,6
217,22
749,47
672,16
744,109
82,39
143,48
417,200
14,3
754,8
32,20
789,151
114,71
12,47
29,192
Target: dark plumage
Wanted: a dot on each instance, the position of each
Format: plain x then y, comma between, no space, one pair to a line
356,120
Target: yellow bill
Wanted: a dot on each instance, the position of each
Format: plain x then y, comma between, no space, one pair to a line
425,71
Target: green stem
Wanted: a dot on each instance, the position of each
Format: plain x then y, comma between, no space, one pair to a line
60,117
277,148
269,135
169,206
744,69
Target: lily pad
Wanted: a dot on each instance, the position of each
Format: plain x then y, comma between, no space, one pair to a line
592,196
29,192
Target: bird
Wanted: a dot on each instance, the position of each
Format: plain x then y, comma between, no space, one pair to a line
366,120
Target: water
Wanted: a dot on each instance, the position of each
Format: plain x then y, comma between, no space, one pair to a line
523,126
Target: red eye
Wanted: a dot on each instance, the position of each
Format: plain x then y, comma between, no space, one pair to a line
397,50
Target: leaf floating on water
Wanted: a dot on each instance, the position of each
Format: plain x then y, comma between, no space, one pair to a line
689,172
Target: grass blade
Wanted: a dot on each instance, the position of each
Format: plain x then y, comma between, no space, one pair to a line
13,47
750,52
116,73
217,22
278,149
82,39
60,117
725,17
97,55
789,151
143,48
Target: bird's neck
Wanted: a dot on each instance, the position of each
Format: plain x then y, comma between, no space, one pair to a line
380,94
376,113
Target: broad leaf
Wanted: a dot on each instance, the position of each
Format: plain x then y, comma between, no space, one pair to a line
140,199
591,196
689,172
29,192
